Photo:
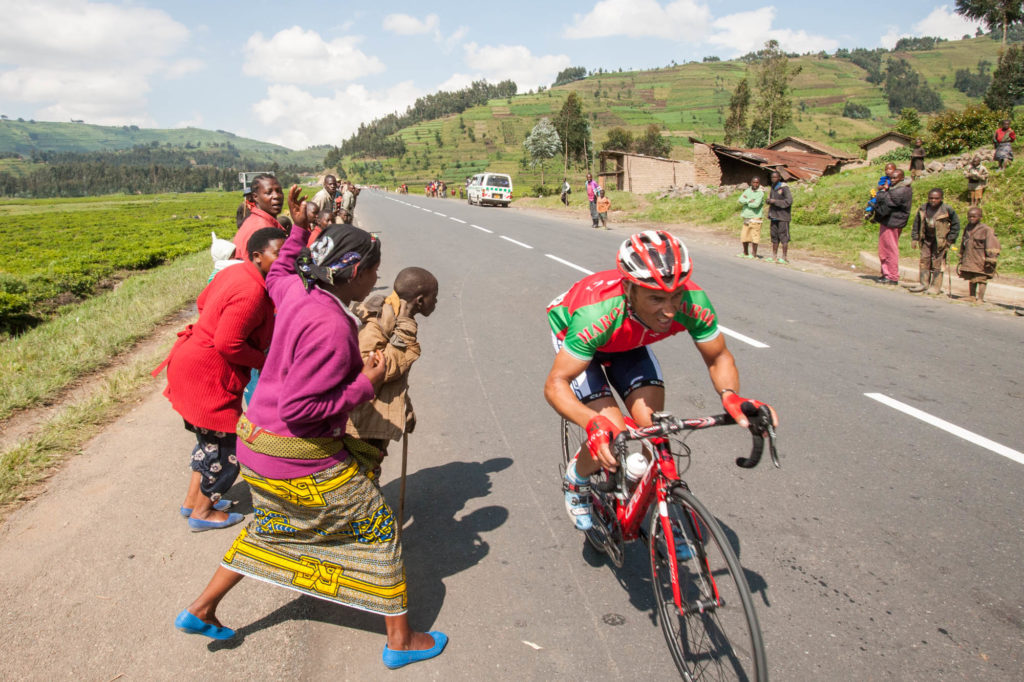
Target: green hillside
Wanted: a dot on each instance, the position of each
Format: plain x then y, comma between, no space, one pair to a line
686,100
26,137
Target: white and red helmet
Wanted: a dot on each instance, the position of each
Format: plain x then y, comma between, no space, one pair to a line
656,260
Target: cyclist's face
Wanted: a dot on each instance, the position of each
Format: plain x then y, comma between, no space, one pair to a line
655,308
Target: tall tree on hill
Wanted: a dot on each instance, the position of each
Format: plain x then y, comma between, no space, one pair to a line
736,123
906,88
774,75
1001,14
574,130
542,144
619,140
1007,88
652,143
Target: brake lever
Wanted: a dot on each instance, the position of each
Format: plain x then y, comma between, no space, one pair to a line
760,427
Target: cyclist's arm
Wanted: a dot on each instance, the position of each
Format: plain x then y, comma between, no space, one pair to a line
723,372
559,393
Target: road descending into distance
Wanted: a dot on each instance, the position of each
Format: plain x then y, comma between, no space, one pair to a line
889,546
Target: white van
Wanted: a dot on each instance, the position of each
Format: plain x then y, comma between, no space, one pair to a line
490,188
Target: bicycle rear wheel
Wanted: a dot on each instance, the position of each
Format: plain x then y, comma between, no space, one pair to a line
716,636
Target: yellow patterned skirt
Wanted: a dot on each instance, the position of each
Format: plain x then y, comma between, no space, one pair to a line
330,535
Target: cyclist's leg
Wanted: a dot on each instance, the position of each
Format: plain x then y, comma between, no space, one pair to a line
636,376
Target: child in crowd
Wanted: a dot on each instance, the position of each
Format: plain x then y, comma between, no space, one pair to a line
884,183
979,253
389,326
321,222
977,178
604,204
752,213
223,253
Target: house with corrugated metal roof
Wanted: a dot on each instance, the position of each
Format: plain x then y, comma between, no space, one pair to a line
716,165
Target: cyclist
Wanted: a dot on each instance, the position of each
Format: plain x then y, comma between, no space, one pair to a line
602,328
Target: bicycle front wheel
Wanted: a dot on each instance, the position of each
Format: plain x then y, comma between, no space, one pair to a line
715,636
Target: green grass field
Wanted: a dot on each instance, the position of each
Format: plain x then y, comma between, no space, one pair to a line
55,251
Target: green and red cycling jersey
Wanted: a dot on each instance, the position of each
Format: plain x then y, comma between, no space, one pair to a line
594,316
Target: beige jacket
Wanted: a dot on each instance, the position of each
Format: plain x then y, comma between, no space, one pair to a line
391,411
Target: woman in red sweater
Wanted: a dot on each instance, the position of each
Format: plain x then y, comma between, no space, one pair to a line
208,369
268,200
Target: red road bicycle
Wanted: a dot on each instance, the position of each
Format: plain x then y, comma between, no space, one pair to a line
701,595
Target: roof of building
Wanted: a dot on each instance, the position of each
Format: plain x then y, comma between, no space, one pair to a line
610,152
790,165
816,146
891,133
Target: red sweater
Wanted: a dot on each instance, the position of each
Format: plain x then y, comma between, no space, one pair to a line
208,368
257,220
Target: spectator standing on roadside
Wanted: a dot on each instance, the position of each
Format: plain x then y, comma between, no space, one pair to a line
604,204
892,211
780,211
592,198
979,254
324,199
1004,138
936,227
752,201
348,198
977,179
268,199
917,159
566,190
209,367
389,326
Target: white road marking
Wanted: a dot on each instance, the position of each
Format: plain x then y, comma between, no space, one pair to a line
535,647
969,436
509,239
571,265
740,337
458,221
484,229
440,214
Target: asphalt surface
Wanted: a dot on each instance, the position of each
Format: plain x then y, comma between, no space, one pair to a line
886,547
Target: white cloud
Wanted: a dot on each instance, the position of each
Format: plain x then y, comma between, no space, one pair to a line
944,23
891,37
681,19
88,60
457,81
744,32
406,25
302,57
299,119
516,62
183,67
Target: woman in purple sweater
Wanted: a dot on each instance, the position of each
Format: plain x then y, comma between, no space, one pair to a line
320,524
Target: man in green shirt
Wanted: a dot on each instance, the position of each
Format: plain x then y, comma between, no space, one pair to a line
752,201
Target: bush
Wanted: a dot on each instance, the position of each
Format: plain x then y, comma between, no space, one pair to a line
854,110
543,191
953,132
896,155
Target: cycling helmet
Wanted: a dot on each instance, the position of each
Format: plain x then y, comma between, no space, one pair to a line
656,260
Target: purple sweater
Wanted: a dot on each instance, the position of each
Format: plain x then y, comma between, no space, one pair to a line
312,377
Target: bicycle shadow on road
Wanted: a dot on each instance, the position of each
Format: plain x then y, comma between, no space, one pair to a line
635,574
435,545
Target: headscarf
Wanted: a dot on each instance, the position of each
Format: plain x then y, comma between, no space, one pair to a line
336,255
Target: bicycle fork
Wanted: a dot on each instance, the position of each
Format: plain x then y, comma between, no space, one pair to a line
699,605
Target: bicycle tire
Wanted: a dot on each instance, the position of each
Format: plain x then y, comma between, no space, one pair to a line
720,643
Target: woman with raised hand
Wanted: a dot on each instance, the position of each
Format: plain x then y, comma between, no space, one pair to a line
321,525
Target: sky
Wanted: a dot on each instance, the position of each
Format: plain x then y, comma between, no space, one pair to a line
305,73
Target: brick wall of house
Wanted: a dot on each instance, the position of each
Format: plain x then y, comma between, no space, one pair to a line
644,175
706,169
884,146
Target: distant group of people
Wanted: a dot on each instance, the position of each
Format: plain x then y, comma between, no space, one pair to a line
779,200
438,189
330,394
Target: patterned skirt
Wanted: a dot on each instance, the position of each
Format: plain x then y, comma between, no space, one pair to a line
330,535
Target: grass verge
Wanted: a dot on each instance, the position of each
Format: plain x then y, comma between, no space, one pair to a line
63,434
37,365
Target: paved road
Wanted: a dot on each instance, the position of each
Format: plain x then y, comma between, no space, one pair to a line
887,548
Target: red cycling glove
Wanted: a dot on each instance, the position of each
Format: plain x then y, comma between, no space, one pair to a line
733,404
600,431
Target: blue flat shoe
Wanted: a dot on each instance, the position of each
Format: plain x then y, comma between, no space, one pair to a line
198,525
396,659
221,505
187,622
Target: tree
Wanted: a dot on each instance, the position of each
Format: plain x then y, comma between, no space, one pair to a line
1007,88
995,14
574,130
909,122
619,140
853,110
953,132
736,123
652,143
773,78
542,144
573,73
906,88
974,84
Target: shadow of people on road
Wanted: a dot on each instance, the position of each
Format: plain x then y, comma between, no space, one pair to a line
435,545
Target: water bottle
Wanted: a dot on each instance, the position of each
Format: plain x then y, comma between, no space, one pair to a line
636,467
